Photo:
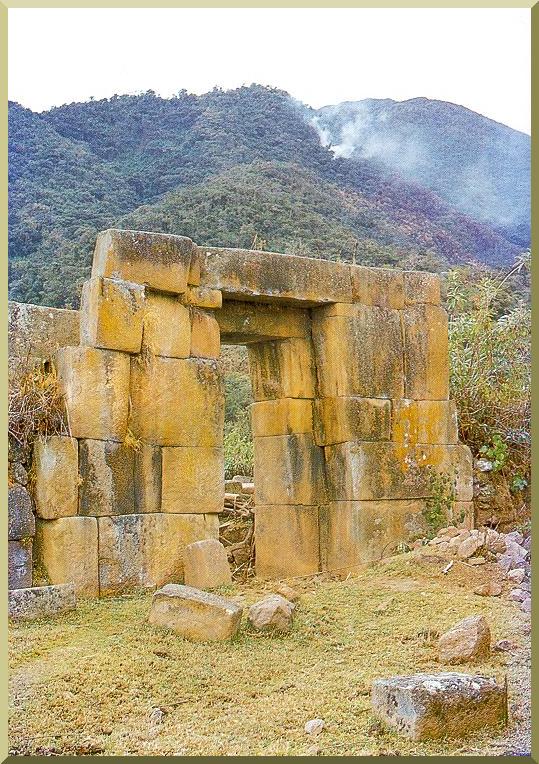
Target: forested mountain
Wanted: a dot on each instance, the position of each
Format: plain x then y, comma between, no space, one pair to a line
476,164
232,168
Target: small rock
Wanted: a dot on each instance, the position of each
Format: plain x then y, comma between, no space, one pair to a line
515,536
314,726
491,589
526,605
517,595
469,547
273,613
483,465
476,561
288,593
441,705
467,640
516,575
156,716
18,473
41,601
313,750
497,545
504,646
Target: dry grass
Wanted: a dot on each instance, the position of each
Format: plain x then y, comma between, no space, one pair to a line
87,682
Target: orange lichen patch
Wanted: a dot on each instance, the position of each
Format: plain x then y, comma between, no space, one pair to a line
424,422
285,416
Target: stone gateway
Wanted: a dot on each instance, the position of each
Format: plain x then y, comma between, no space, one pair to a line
351,417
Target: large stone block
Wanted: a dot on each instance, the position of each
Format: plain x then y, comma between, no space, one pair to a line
177,402
41,601
19,564
377,286
56,468
288,469
66,551
244,274
95,385
167,326
193,480
21,523
284,416
359,351
111,314
145,551
202,297
340,419
424,422
421,288
282,369
426,353
107,478
206,565
195,615
372,471
355,533
430,706
205,335
147,478
253,322
157,260
287,541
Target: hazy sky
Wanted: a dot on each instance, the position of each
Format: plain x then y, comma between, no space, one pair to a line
476,57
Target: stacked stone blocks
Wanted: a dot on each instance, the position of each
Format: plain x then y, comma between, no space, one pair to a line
351,416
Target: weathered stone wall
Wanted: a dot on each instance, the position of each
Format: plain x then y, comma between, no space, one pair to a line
351,416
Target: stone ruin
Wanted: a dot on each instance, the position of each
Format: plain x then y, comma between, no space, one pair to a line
351,419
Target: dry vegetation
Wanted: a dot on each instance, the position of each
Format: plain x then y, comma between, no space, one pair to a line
89,682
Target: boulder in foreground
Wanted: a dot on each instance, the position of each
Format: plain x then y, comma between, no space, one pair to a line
429,706
467,640
195,615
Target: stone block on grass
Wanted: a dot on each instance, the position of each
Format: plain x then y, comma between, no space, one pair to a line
41,601
195,615
432,706
205,565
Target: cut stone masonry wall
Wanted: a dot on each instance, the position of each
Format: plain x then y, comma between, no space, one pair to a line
349,369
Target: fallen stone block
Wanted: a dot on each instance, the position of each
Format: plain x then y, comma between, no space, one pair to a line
158,260
284,416
244,274
205,565
272,614
95,384
205,335
195,615
41,601
287,541
167,326
111,314
193,480
66,552
467,640
21,522
106,470
383,287
431,706
19,564
177,402
351,418
282,369
56,468
359,351
139,552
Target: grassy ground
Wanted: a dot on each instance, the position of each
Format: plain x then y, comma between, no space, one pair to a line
87,682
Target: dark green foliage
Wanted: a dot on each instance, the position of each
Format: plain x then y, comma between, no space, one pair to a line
222,168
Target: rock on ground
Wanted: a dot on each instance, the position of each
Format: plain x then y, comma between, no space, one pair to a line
205,564
273,613
41,601
194,614
467,640
426,706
